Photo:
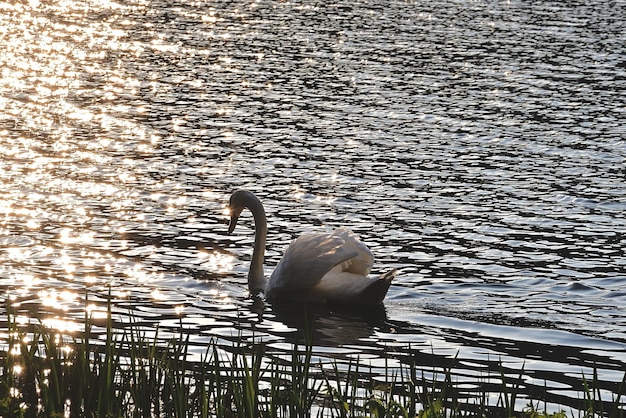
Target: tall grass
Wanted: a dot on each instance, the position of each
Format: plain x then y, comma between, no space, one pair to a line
122,372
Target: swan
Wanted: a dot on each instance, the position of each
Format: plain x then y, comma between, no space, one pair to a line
318,267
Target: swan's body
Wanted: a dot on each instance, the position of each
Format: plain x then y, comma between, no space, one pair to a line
319,267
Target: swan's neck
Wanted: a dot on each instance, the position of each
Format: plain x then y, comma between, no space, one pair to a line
256,278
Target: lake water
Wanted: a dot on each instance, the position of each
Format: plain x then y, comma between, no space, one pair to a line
477,147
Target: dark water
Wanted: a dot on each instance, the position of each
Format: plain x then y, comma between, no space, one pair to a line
477,147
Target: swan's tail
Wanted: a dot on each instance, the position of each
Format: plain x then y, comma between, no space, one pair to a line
388,277
376,291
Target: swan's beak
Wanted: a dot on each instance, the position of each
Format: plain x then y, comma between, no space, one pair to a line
234,215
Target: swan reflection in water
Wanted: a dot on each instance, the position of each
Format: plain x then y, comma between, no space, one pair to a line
318,267
329,325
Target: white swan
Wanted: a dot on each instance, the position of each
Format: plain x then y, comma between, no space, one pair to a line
318,267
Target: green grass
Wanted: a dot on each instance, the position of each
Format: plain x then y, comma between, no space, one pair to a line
121,372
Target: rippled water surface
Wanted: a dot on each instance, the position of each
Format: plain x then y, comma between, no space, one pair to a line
477,147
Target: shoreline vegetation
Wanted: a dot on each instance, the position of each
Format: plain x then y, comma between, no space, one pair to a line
127,372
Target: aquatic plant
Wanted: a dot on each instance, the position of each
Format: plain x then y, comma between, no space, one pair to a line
128,371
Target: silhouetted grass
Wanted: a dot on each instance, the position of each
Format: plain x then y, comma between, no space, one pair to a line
125,373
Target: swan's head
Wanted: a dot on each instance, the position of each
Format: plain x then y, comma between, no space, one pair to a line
236,205
240,200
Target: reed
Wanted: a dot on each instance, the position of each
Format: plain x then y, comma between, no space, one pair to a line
122,372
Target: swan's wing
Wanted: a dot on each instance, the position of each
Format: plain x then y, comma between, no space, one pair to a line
363,261
307,260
